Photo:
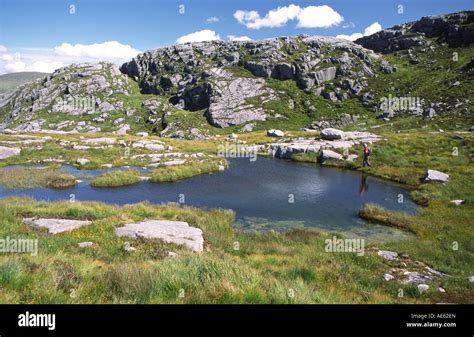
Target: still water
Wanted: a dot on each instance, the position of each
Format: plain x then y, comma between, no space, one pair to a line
265,194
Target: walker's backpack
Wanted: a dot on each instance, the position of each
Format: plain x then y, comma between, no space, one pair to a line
370,151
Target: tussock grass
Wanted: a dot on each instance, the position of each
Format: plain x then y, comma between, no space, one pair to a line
373,212
179,172
22,177
116,179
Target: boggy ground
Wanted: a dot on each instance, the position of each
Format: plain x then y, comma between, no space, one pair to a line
238,267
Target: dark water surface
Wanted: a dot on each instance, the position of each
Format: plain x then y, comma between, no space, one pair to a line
260,193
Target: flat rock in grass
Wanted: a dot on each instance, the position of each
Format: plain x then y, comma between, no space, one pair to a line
85,244
423,287
330,134
415,277
433,175
328,154
141,134
352,157
177,232
388,277
275,133
6,152
55,226
102,140
154,147
82,161
174,162
457,202
388,255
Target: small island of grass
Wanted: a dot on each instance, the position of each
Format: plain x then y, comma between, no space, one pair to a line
178,172
116,179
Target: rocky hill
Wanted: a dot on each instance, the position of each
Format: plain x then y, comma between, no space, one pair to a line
197,89
221,77
455,29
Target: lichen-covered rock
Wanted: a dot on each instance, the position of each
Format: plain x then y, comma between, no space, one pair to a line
6,152
56,226
433,175
453,29
78,89
330,134
178,232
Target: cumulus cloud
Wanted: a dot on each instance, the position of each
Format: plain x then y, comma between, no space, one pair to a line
39,66
351,37
306,17
372,29
318,17
105,50
202,35
238,38
49,59
369,30
212,19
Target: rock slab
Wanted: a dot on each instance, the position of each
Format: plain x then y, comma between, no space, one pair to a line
177,232
56,226
433,175
6,152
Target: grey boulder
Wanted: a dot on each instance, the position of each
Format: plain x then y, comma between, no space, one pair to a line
433,175
6,152
177,232
330,134
55,226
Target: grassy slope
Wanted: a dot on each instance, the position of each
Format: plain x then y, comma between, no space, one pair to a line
11,81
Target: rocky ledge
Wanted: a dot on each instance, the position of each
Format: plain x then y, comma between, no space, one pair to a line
345,140
455,29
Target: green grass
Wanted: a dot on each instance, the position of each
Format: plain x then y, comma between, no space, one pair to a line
116,179
22,177
290,267
179,172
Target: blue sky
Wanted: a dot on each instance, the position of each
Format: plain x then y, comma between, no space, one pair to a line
34,31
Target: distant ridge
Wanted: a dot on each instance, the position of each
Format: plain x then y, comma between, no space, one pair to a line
13,80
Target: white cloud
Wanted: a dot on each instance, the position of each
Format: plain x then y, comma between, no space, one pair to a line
16,63
307,17
369,30
351,37
203,35
372,29
15,66
3,49
238,38
7,57
108,49
49,59
349,25
318,17
212,19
